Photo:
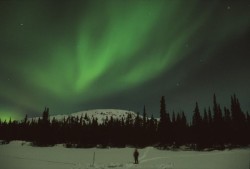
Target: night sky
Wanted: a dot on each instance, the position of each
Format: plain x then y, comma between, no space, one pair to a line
72,56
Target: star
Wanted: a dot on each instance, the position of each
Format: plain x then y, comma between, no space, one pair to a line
228,7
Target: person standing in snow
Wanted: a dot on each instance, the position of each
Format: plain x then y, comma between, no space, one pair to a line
136,155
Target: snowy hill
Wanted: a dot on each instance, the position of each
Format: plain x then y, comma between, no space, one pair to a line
100,114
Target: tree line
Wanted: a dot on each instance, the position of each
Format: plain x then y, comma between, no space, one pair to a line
213,128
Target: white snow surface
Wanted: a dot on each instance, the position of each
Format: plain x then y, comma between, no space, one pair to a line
20,155
100,114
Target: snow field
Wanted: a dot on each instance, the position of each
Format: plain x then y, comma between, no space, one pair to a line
18,156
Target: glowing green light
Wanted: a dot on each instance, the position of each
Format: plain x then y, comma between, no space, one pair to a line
7,115
105,47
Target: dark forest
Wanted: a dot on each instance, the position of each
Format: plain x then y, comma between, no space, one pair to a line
213,128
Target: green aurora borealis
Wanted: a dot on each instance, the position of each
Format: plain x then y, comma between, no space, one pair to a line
73,56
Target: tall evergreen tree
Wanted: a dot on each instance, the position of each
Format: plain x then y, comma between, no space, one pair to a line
238,121
163,113
227,116
183,119
45,118
197,126
173,117
210,118
205,117
217,113
137,121
197,120
144,117
25,119
237,114
164,123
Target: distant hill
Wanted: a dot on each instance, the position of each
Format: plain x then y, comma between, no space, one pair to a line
100,114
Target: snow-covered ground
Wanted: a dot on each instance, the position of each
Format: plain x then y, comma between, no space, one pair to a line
18,156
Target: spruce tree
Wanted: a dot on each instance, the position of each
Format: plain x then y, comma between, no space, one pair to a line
173,117
164,121
238,121
205,117
217,113
163,113
197,126
197,120
210,118
183,120
237,114
45,118
144,117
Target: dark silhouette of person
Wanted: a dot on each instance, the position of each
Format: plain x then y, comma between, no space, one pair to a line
136,155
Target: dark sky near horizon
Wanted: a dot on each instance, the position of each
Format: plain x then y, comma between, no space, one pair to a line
72,56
